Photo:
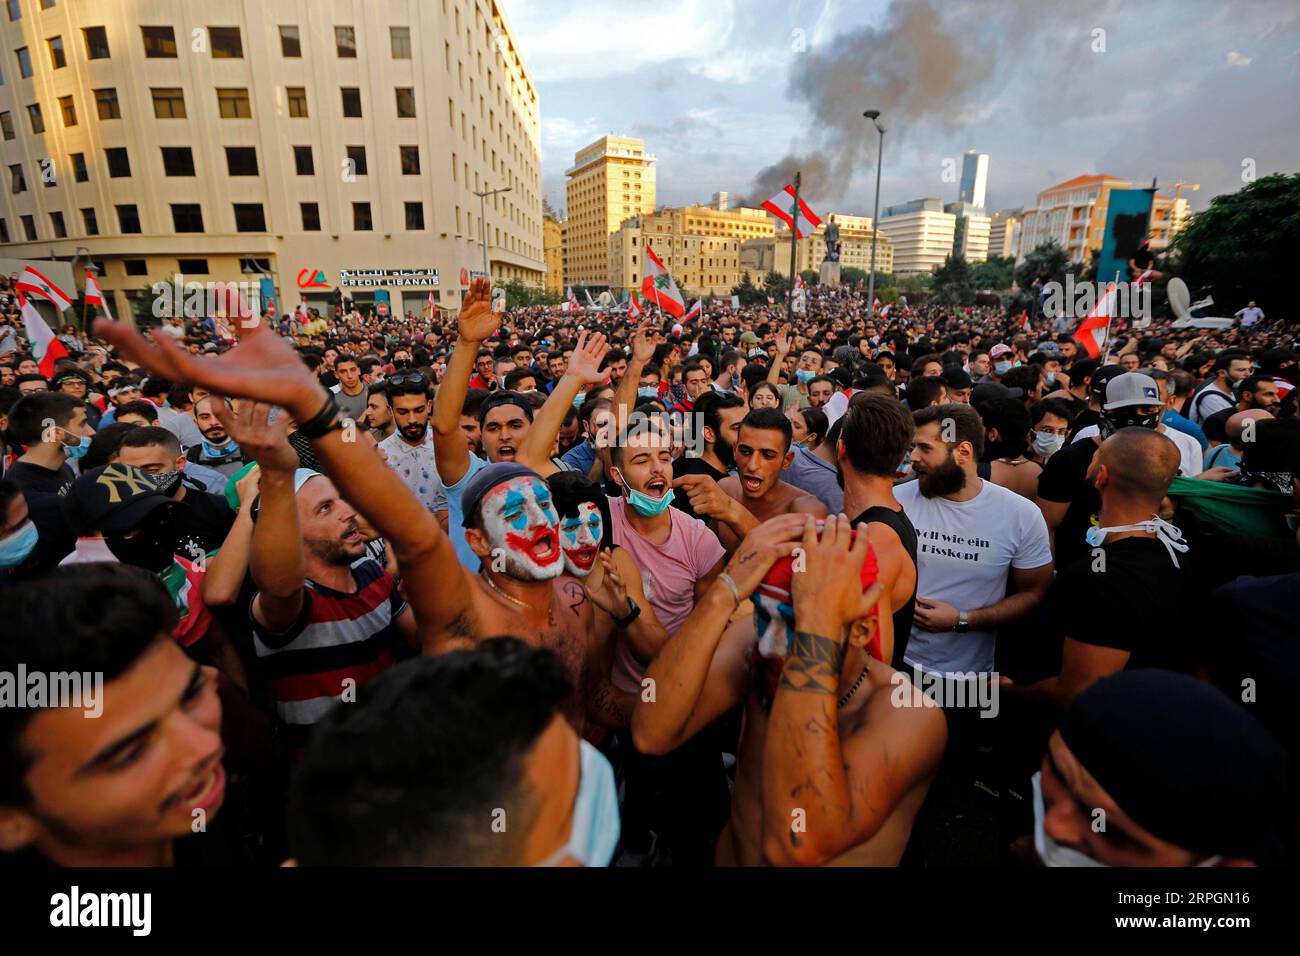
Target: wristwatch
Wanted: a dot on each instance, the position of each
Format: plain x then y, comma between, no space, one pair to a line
963,623
633,612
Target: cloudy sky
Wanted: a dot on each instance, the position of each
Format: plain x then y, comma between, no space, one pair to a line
733,94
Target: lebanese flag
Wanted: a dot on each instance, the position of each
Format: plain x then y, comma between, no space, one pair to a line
95,295
33,283
799,218
1024,322
46,349
694,313
634,310
1092,331
1143,277
658,287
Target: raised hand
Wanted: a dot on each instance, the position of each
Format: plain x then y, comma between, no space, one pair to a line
584,364
477,321
827,589
783,341
774,539
643,343
263,440
611,596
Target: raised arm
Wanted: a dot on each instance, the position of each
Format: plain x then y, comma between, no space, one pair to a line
643,349
477,322
583,369
782,350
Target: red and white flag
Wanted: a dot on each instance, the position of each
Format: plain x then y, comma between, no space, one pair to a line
95,295
33,283
658,286
1094,329
1024,322
1146,274
46,349
634,310
694,313
797,217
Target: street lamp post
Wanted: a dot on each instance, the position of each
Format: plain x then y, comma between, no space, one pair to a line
874,116
482,221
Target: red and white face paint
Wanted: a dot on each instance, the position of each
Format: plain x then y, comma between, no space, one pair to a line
580,539
521,525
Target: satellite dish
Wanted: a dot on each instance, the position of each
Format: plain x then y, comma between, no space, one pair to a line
1179,297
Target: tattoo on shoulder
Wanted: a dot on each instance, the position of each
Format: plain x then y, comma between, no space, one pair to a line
813,664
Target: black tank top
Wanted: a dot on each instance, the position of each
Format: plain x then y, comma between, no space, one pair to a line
984,469
898,521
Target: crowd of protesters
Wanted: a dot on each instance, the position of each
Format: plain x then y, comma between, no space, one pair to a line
915,586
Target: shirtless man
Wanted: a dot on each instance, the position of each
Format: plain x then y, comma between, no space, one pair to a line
740,502
838,750
510,521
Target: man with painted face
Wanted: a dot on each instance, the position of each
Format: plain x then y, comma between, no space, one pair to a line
1183,775
838,749
452,604
435,750
756,492
124,788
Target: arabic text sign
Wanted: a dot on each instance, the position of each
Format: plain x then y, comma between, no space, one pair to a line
371,278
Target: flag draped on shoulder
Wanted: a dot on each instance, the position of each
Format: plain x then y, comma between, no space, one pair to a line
1093,330
796,216
95,295
32,282
46,349
658,286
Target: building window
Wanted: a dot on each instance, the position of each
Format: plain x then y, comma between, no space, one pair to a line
297,97
168,102
106,104
187,217
4,232
226,43
232,102
192,267
46,4
249,217
178,161
79,171
414,216
345,42
357,160
69,110
24,62
58,225
37,119
405,102
159,42
410,160
128,221
310,216
135,267
119,163
400,38
96,43
90,221
7,124
351,101
58,58
29,227
255,266
241,160
303,162
361,221
15,9
17,181
290,43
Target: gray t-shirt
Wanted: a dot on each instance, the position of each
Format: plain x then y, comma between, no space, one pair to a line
816,476
354,406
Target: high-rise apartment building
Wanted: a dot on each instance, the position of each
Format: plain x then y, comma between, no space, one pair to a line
314,146
974,177
610,180
922,234
553,249
1004,233
970,238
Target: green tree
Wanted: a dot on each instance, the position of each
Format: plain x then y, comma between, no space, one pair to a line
520,294
810,277
952,282
1242,246
852,274
994,273
1048,260
747,292
915,282
776,285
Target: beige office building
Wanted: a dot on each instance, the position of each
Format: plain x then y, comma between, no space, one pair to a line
922,235
553,248
699,245
761,256
1004,234
319,145
611,180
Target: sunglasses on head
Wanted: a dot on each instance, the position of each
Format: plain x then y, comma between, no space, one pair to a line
413,378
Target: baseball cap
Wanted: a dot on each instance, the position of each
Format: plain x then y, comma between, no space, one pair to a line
987,391
958,378
748,338
487,478
1000,349
756,353
112,499
1131,388
1101,378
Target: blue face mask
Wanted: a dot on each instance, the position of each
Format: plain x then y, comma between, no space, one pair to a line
647,391
15,548
1001,368
220,451
596,829
804,375
79,450
643,503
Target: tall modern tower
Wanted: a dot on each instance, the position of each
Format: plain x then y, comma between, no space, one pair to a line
974,177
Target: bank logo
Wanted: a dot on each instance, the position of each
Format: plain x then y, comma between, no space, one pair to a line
312,279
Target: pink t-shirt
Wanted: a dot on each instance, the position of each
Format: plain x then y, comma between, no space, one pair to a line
669,572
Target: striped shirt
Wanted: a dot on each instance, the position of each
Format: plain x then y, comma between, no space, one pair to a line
337,638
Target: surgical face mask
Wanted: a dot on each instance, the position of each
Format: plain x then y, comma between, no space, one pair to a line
78,450
1049,851
804,375
644,504
647,391
16,547
1001,368
1046,444
1165,533
596,829
1049,379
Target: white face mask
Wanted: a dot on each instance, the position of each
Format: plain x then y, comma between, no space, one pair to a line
1165,533
1047,444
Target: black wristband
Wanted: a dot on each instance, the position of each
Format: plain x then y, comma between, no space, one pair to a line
324,421
634,611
